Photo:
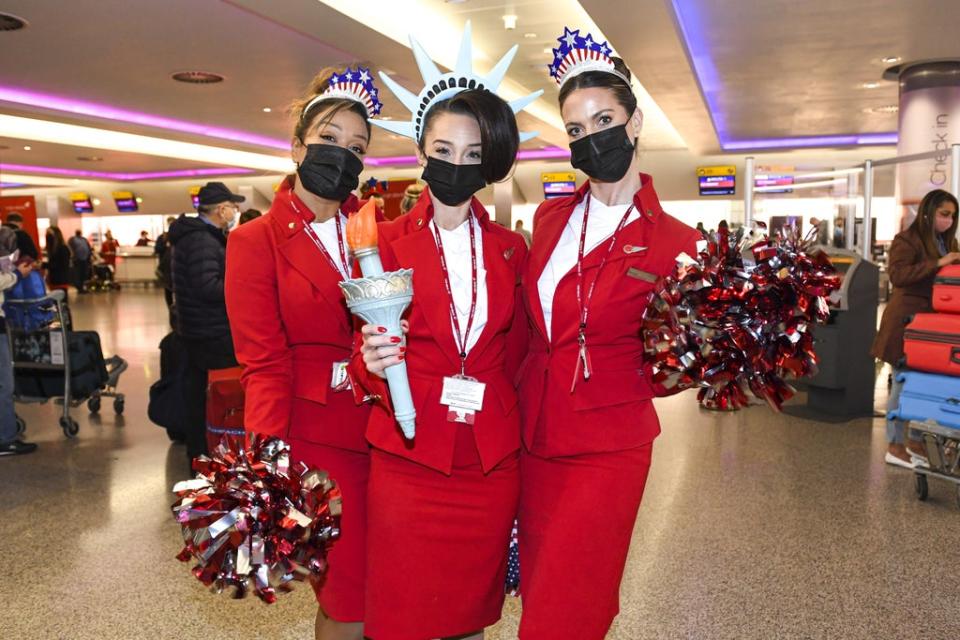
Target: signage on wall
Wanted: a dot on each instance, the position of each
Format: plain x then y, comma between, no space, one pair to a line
558,185
81,202
195,196
125,200
774,179
717,181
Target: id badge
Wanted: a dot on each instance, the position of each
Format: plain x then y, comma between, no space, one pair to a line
463,396
339,380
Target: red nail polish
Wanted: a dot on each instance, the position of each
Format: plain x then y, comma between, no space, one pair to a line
382,329
401,357
403,349
395,339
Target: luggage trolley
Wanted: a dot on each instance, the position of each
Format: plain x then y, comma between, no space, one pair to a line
932,404
43,348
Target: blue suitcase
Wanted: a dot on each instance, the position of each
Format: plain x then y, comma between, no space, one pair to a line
929,397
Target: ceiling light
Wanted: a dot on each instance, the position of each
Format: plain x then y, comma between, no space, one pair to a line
386,117
510,21
869,85
139,200
96,202
6,168
89,158
267,109
27,147
530,35
197,77
548,49
93,138
887,108
891,59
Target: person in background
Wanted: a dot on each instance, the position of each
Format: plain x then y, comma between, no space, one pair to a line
702,229
410,196
198,266
248,215
916,254
10,442
161,251
28,249
58,259
108,249
822,235
160,245
377,199
839,241
144,240
82,252
518,227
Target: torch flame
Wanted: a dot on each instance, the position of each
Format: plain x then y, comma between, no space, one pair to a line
362,228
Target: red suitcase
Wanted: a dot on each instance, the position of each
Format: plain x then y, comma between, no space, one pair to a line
931,343
946,289
224,407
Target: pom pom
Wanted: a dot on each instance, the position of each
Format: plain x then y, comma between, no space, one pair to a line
250,521
740,317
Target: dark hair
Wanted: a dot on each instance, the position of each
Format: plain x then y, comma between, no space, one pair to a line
326,108
248,215
499,138
15,217
57,235
924,222
601,79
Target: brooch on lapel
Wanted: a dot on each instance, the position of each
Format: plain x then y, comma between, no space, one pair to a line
629,248
508,253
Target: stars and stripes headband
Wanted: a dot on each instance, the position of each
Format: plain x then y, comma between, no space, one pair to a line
440,86
352,85
578,54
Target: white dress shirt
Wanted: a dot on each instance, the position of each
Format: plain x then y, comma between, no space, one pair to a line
456,250
601,225
327,232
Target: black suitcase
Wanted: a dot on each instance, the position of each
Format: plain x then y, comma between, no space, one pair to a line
88,371
165,408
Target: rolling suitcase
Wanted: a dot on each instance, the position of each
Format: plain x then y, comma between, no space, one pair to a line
931,342
929,396
165,407
224,408
88,370
946,289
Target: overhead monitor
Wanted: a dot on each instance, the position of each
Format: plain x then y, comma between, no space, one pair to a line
125,200
717,181
81,202
558,185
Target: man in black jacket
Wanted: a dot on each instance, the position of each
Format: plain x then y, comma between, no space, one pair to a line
198,265
24,242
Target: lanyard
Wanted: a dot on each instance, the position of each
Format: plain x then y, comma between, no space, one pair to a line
583,361
461,339
344,272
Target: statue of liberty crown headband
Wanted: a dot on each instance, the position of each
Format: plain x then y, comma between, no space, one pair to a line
577,54
440,86
352,85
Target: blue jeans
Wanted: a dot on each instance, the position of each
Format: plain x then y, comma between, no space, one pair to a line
8,418
897,429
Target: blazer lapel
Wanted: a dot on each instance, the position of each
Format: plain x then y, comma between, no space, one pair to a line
546,235
501,284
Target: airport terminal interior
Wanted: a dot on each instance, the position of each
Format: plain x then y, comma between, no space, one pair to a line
829,126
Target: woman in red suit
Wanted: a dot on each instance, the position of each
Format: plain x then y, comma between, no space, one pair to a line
441,506
585,392
291,328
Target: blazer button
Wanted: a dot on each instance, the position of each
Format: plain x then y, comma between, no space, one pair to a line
650,213
292,225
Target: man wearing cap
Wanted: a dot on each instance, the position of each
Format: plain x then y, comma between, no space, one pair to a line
198,264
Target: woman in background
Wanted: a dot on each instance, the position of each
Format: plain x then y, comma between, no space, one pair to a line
58,259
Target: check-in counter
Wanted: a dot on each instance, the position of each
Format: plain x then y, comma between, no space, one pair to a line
136,265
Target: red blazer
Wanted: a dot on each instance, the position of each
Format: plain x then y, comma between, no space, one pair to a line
611,411
290,324
408,242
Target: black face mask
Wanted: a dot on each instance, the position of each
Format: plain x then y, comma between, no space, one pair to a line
452,183
605,155
329,171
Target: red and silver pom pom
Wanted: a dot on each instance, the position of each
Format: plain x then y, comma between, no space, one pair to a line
739,318
250,521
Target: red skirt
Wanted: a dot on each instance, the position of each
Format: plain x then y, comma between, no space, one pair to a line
576,520
341,593
436,547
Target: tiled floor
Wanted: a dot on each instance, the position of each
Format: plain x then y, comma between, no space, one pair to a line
754,525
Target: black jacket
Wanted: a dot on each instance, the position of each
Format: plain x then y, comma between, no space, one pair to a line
58,265
25,243
198,264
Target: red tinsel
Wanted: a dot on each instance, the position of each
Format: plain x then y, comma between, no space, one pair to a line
251,521
740,318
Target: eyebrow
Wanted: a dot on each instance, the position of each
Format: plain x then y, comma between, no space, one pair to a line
593,117
473,144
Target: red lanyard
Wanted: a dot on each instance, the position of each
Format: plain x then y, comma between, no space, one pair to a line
583,361
345,272
461,339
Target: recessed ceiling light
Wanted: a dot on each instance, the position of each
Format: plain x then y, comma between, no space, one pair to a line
891,59
267,109
510,21
139,200
27,147
10,22
869,85
887,108
548,49
197,77
96,202
530,35
89,158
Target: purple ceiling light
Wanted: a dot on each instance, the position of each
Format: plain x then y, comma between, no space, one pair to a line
107,112
863,139
123,177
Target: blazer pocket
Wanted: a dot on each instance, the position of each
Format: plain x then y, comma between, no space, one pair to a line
311,384
609,388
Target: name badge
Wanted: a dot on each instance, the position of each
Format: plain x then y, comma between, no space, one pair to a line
339,380
463,396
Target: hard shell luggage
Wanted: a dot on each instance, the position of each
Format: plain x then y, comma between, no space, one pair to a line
946,289
929,397
931,342
224,407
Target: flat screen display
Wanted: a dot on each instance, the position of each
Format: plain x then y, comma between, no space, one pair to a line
82,206
126,205
559,189
718,185
774,182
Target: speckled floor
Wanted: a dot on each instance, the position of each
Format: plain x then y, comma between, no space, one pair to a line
754,525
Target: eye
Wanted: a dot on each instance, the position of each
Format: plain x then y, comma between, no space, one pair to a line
326,137
441,151
573,132
604,120
474,155
357,149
